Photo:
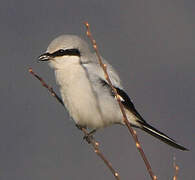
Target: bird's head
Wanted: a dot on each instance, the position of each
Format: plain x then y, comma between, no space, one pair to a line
66,49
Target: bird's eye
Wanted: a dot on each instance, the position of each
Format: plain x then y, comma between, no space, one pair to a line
61,51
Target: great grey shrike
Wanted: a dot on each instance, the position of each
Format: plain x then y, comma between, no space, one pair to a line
86,93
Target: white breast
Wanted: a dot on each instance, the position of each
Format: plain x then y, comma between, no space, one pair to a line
78,96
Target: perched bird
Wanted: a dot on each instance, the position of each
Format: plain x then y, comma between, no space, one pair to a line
86,93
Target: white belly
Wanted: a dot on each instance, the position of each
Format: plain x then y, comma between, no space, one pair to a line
79,97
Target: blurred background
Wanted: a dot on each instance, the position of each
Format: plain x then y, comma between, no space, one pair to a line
152,46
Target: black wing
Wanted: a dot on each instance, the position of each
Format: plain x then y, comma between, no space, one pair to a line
125,100
127,103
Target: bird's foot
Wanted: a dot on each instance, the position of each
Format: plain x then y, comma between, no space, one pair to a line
89,136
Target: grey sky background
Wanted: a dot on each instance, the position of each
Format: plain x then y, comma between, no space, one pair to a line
152,46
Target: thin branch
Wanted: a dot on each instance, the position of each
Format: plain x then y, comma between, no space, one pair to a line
133,132
50,89
89,139
176,167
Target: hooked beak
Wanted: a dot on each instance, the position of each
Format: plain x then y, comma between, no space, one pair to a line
44,57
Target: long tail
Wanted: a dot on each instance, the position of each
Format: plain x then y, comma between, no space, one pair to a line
163,137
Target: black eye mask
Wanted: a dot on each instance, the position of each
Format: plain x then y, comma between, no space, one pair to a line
67,52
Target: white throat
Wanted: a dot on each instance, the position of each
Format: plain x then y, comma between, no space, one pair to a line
64,62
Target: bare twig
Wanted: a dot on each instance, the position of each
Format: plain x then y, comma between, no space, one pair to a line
176,167
133,132
89,139
95,145
50,89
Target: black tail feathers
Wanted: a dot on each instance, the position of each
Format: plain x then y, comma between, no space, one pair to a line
163,137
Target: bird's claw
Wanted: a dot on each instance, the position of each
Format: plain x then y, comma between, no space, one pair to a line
88,137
